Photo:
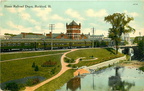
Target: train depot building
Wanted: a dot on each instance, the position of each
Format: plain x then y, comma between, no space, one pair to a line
73,38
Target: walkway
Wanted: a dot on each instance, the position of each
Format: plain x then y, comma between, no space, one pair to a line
63,69
106,63
78,59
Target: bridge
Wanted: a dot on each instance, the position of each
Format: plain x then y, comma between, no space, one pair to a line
131,50
128,46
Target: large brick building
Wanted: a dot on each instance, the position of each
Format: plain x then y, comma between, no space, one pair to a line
73,30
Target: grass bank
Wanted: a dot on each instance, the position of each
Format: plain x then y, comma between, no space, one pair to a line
27,54
58,82
100,53
141,68
23,68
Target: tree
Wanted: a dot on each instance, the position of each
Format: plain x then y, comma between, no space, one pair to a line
10,34
53,70
141,47
96,43
33,65
36,68
119,22
103,43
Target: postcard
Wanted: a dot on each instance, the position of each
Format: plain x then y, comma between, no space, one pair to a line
69,45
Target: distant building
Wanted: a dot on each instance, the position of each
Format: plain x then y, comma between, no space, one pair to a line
126,37
96,37
73,31
57,36
28,36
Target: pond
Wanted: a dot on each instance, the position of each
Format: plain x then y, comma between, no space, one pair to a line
109,79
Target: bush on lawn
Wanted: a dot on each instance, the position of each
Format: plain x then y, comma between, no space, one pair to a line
49,64
33,81
12,86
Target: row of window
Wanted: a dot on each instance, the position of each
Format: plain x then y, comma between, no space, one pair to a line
15,44
28,44
53,43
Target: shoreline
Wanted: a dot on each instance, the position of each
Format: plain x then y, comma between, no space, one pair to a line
134,64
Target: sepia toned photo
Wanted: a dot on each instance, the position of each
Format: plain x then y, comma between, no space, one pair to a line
69,45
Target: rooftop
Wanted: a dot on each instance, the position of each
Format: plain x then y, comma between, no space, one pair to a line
73,23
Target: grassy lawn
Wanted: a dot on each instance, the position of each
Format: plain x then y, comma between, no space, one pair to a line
58,82
23,68
101,54
27,54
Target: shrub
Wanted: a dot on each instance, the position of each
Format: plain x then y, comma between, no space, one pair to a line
36,68
12,86
69,65
91,56
142,68
33,65
69,60
53,70
31,82
74,66
49,64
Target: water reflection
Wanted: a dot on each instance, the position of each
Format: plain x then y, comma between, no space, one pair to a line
116,83
110,79
74,84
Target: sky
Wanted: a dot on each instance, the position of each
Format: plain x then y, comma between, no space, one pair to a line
29,18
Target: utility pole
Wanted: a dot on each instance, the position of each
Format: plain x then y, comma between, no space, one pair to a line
93,31
44,44
93,37
51,27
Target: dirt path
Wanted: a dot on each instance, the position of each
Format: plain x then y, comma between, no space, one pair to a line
78,60
63,69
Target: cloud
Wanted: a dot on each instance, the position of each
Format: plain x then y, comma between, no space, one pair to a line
38,28
100,13
74,14
42,13
19,27
138,32
59,27
133,14
138,29
97,31
1,14
12,31
86,30
96,25
100,32
23,14
57,17
15,10
27,16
